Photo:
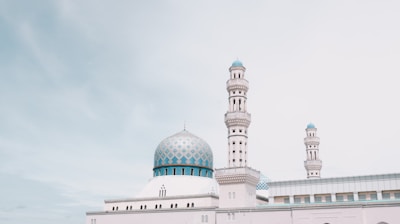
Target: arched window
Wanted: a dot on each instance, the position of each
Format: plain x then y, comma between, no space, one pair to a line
187,205
159,206
191,172
176,205
183,171
113,208
141,207
192,205
145,207
127,207
130,207
172,205
116,208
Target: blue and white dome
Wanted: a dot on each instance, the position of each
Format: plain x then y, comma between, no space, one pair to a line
183,154
263,183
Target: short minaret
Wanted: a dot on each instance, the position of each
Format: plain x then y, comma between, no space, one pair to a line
237,182
237,119
313,164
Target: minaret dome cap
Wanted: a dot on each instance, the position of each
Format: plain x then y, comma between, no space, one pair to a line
237,63
310,125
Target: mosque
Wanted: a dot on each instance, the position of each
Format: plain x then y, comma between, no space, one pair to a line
186,188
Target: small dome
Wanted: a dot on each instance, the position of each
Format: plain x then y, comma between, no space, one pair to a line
237,63
183,154
310,125
263,183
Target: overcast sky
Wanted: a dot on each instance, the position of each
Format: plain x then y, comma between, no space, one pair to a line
89,88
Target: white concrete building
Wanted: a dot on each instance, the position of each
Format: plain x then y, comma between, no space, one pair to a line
186,188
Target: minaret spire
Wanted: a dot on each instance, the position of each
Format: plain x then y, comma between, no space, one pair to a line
313,164
237,119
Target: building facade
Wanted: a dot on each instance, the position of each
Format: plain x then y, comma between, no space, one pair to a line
186,188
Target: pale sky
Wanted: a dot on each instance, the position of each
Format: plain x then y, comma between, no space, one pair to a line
89,88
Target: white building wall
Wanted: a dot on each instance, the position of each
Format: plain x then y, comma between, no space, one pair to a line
150,217
150,203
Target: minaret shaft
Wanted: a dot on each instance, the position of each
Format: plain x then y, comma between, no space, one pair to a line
237,119
237,182
312,164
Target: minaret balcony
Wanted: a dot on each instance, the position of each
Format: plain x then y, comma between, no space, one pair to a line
237,118
237,84
311,140
313,164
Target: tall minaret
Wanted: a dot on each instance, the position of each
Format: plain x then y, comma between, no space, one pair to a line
313,164
237,182
237,119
